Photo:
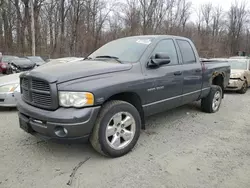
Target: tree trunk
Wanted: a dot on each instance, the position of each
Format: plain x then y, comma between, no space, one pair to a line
33,51
1,34
62,28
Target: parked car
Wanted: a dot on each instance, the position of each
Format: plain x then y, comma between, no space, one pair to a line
105,97
240,57
203,59
9,90
21,65
240,75
219,59
36,59
48,60
10,84
6,59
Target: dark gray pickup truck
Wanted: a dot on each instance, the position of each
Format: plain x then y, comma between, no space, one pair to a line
105,97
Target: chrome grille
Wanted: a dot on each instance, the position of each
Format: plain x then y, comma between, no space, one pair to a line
40,85
25,83
41,99
25,94
38,93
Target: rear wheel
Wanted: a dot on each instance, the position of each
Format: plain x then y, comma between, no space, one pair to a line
244,88
117,129
212,102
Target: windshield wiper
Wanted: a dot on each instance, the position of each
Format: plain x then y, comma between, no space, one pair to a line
110,57
87,58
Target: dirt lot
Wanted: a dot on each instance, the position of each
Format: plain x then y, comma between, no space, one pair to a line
180,148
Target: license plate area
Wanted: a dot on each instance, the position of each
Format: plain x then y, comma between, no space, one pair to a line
25,126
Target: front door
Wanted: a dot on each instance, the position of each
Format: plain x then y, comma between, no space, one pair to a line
168,80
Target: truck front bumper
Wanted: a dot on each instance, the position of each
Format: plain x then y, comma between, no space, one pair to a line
235,85
64,124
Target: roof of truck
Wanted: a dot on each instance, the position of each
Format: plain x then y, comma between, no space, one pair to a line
157,36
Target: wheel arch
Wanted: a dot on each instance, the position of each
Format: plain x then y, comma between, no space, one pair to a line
218,79
132,98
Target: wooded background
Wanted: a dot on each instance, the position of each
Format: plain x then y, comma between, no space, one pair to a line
77,27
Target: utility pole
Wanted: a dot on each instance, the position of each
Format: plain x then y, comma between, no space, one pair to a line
32,28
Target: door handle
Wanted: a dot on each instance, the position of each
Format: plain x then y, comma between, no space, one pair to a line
177,73
198,70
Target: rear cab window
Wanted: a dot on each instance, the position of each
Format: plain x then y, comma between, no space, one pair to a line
187,52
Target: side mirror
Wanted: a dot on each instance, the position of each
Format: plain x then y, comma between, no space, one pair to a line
158,60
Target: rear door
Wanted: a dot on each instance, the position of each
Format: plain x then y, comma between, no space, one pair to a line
192,72
168,80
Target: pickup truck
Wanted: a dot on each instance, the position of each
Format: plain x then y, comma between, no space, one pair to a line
106,97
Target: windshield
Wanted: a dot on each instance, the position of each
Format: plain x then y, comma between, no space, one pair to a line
241,65
59,61
35,59
125,49
9,58
22,61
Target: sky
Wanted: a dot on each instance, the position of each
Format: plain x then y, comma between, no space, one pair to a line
225,4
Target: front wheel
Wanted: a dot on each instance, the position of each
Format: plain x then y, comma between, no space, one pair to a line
9,71
244,88
212,102
117,129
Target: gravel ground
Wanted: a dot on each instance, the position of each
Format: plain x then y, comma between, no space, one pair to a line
180,148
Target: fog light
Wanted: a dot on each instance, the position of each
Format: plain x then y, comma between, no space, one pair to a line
61,131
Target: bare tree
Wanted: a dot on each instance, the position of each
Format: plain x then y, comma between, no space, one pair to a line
152,13
183,13
132,17
33,28
206,10
74,12
237,16
217,20
77,27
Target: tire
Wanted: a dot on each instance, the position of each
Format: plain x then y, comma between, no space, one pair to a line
99,138
244,88
207,102
9,71
4,72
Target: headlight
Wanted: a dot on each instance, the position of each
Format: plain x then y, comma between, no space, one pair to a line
13,67
18,89
75,99
236,75
8,88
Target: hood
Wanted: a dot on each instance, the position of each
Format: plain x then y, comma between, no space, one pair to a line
9,79
40,63
76,70
237,73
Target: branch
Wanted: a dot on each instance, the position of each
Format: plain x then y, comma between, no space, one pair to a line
72,175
